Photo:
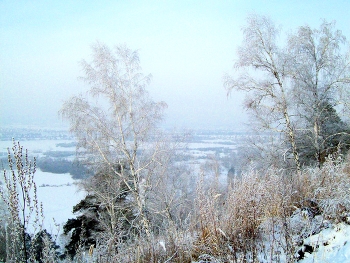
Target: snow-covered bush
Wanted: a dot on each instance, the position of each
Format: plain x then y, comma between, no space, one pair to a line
327,188
22,232
247,221
266,216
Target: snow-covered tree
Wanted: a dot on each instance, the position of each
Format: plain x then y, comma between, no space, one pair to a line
294,89
263,73
320,72
115,124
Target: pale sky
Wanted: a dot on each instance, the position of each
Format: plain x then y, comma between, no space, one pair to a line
187,46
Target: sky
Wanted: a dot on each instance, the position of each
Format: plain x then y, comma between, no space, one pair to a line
187,46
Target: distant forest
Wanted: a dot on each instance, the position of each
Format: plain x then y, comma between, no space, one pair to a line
56,162
61,165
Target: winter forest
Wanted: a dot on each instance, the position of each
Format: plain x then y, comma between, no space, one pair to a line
277,192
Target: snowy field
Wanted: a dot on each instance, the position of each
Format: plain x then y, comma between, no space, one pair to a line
58,194
36,148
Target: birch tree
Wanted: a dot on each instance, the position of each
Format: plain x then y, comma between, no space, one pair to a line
320,69
115,125
262,69
295,88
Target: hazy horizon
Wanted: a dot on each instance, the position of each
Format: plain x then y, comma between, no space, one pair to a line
186,46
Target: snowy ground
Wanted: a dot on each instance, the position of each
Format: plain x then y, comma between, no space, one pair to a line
58,194
331,245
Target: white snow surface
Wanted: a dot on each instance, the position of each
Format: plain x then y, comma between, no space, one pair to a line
38,145
331,245
58,194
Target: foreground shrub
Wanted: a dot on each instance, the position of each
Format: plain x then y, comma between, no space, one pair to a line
325,190
24,239
233,224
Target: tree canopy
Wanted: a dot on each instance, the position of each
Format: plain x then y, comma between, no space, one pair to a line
294,89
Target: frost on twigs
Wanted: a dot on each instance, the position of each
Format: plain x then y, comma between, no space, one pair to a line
19,193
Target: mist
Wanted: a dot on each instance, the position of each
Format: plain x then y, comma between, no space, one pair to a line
187,47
